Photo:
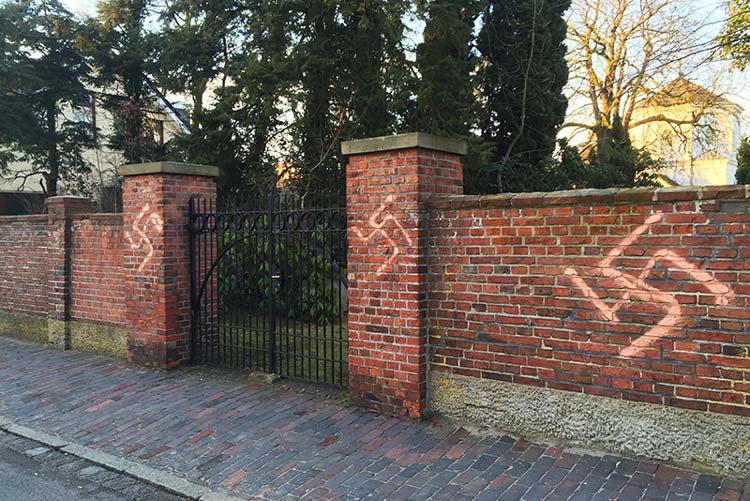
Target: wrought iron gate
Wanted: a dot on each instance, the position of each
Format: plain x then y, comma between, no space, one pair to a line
269,286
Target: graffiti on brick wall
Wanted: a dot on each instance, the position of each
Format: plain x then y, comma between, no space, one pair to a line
146,223
379,224
634,287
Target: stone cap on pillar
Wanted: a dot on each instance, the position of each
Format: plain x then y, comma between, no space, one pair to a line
66,206
176,168
403,142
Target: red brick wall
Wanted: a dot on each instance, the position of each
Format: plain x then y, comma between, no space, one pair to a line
96,267
23,267
640,295
129,270
97,273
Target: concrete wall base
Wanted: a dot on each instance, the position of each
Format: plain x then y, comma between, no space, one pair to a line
80,336
704,441
100,339
24,327
58,334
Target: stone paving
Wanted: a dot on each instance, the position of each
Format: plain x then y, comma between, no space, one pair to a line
265,442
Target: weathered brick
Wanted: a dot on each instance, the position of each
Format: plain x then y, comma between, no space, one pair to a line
672,338
157,265
387,236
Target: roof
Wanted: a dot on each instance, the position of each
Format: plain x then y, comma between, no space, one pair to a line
666,181
683,91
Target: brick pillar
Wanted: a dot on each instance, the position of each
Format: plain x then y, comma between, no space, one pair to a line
388,181
60,213
155,200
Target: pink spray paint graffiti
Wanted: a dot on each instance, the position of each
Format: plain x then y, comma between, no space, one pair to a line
145,223
377,222
636,288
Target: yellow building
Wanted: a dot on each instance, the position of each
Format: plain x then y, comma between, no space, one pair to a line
694,131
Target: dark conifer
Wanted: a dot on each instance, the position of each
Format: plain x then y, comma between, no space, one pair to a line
521,78
42,82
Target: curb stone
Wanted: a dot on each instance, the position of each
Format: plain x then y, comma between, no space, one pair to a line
35,435
143,473
214,496
110,462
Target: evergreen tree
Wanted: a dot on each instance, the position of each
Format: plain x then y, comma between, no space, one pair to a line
193,46
320,123
248,120
569,172
201,45
522,74
743,162
446,100
42,77
446,97
297,78
354,81
616,163
122,53
376,74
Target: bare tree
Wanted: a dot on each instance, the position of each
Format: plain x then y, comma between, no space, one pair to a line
623,53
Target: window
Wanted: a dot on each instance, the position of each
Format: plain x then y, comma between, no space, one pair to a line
84,111
159,132
708,136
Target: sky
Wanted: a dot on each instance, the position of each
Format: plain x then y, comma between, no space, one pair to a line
81,6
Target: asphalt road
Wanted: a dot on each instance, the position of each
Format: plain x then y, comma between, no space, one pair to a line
31,473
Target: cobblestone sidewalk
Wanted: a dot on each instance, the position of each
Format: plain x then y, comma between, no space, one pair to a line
264,442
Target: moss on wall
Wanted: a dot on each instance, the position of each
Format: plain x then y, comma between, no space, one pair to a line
24,327
93,338
99,339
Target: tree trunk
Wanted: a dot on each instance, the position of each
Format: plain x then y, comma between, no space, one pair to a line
53,156
133,131
603,136
198,91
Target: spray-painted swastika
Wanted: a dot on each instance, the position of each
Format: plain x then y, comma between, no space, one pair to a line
142,224
636,288
378,222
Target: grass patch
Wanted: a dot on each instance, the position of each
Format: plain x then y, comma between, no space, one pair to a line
297,350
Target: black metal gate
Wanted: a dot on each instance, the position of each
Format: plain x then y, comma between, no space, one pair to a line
269,286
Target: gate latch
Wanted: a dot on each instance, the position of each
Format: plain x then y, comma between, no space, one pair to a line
276,280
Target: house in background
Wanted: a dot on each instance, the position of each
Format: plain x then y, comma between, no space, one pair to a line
166,121
18,203
699,138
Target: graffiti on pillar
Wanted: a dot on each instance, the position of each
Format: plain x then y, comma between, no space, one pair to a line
382,225
635,287
144,227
